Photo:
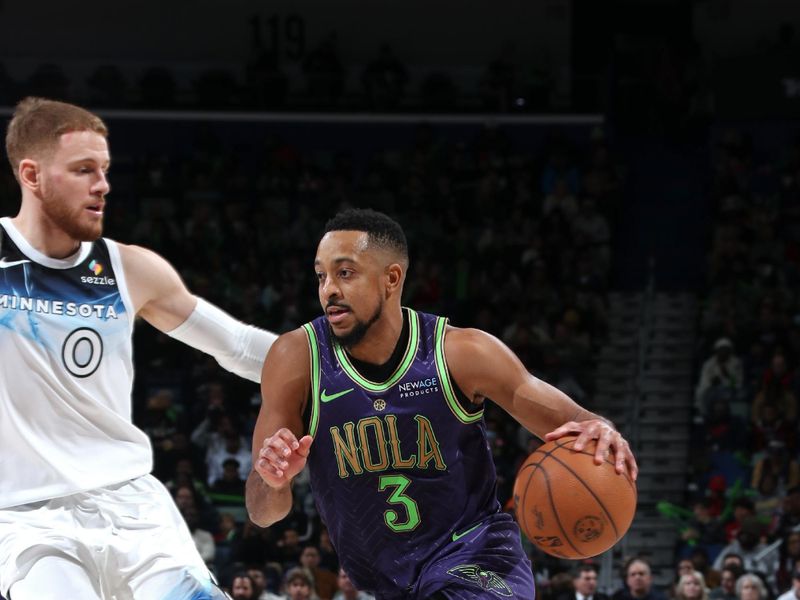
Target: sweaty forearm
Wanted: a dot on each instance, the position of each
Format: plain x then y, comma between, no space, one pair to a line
266,505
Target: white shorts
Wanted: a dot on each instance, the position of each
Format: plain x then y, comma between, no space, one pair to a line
128,537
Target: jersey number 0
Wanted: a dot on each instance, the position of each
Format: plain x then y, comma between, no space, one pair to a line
82,352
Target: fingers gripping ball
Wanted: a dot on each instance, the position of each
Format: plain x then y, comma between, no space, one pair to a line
569,506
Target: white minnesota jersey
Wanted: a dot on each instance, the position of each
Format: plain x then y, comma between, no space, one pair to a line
67,372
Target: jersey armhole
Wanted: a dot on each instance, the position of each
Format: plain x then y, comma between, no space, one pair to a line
311,414
122,282
456,400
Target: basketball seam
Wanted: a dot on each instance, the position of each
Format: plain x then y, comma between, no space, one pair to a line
552,503
524,497
590,490
555,512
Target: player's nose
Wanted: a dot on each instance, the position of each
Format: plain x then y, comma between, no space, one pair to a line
101,185
330,289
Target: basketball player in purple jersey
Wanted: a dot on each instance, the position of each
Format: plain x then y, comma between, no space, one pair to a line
392,400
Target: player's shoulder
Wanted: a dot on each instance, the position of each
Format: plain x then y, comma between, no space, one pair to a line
467,346
467,338
290,347
137,254
145,264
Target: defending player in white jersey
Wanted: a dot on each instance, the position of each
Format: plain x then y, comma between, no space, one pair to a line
80,515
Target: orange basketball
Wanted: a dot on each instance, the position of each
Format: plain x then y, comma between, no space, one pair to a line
569,506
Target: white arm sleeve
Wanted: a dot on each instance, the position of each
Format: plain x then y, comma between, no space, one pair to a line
239,348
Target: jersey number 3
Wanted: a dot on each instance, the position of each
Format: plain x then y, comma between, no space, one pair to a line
399,484
82,352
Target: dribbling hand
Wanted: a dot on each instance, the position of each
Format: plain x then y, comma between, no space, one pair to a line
282,457
610,443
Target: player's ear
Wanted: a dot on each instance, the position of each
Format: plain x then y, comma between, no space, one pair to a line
28,174
394,278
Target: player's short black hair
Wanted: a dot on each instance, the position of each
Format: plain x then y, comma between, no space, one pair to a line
383,231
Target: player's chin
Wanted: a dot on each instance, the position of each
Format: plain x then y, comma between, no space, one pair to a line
91,230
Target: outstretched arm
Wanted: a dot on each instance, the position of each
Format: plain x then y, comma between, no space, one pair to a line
484,367
280,449
161,298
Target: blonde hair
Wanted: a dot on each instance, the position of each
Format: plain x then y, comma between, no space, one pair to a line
679,595
38,123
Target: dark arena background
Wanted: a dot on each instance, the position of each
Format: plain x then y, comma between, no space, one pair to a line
610,187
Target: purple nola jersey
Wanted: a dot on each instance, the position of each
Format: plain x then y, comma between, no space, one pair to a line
397,467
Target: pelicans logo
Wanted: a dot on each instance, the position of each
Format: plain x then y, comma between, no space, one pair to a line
486,580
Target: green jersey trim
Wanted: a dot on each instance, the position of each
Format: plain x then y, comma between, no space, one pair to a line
313,351
405,364
444,378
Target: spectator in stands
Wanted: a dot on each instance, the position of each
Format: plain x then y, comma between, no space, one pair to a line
638,582
789,561
203,539
777,393
298,585
691,586
499,80
161,422
591,232
259,580
347,591
790,515
793,593
749,546
231,446
186,497
324,580
226,538
185,475
256,546
385,79
751,587
781,464
727,585
704,530
700,559
723,430
723,368
584,583
743,507
289,549
780,374
328,559
230,484
684,567
324,73
560,199
242,587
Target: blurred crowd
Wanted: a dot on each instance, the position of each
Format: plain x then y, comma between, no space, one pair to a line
313,78
741,528
514,241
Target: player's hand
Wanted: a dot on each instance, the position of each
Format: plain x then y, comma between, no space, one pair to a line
282,457
609,442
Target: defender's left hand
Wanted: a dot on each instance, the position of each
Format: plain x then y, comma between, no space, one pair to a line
609,441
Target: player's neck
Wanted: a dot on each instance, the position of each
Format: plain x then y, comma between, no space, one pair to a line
379,343
44,235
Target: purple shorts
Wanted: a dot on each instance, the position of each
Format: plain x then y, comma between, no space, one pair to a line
484,561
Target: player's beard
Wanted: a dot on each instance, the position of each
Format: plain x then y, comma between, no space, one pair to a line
58,211
360,329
